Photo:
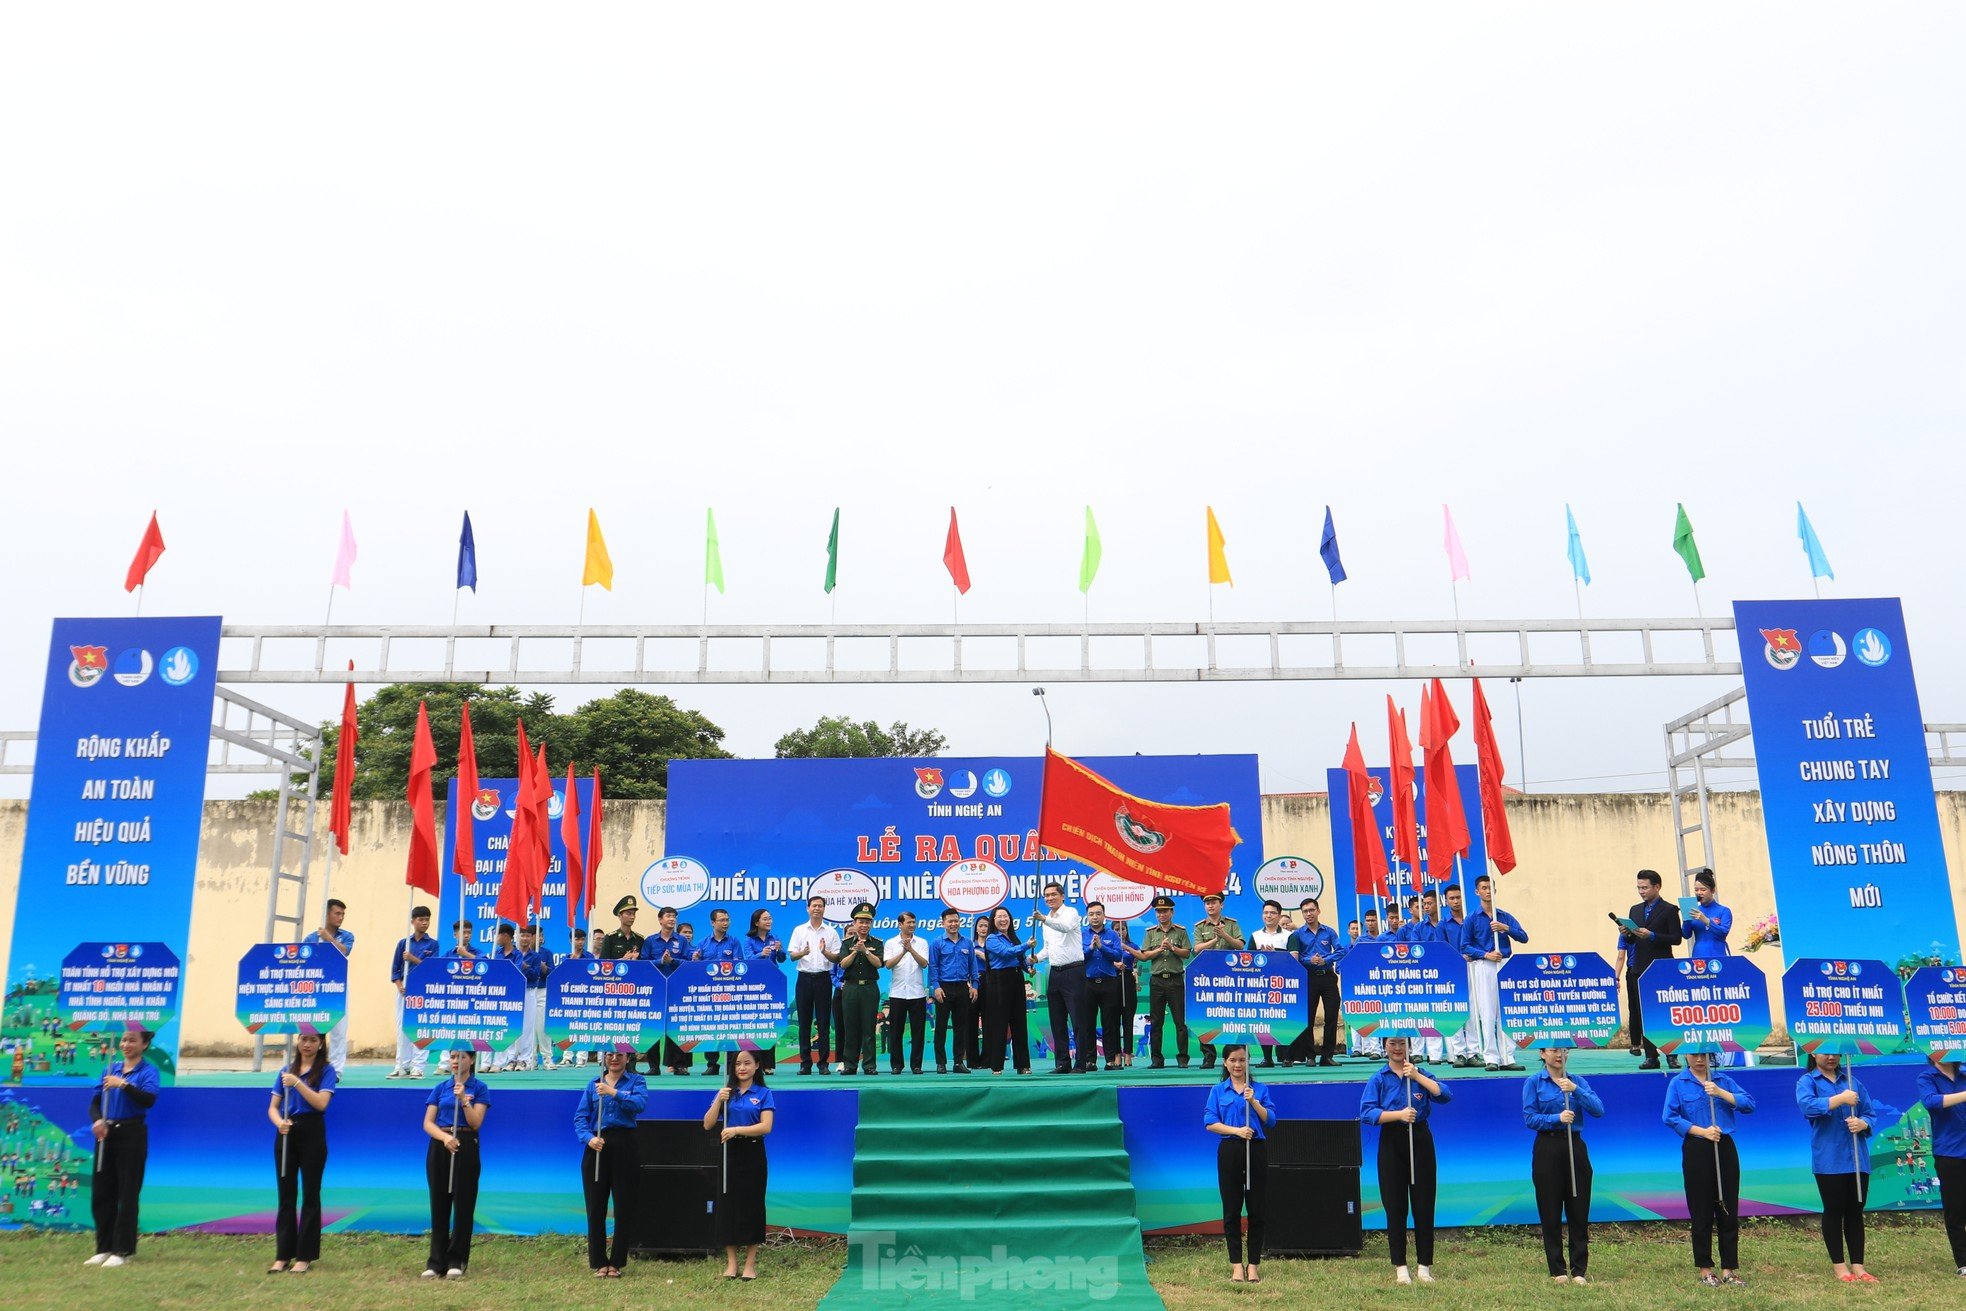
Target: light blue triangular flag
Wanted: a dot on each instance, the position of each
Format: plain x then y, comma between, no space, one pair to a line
1578,564
1818,562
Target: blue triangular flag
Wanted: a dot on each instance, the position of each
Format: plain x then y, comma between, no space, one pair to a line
1818,562
1328,548
467,557
1579,566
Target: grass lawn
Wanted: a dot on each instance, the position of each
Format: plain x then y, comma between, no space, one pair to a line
1783,1261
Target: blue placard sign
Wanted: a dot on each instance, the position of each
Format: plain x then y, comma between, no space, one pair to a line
451,1003
108,987
605,1005
1935,1005
292,987
730,1005
1714,1004
1247,997
1416,989
1559,999
1852,1007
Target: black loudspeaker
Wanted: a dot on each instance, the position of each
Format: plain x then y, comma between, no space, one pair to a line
1325,1144
1313,1211
681,1164
677,1142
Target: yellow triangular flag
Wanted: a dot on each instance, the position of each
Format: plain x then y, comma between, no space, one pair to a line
1218,560
599,568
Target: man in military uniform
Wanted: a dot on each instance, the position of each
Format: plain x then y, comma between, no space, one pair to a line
624,943
1166,948
860,988
1216,933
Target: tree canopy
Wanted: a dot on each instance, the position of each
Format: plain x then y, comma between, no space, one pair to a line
837,736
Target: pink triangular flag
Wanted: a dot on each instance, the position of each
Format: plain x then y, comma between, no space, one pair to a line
1457,559
344,556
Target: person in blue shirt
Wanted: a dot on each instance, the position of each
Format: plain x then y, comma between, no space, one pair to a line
1399,1098
536,961
1839,1111
745,1110
1942,1092
1708,926
604,1122
668,949
1464,1048
1239,1111
410,952
461,947
719,946
1105,961
1553,1104
979,950
760,943
1365,1044
343,941
298,1110
506,949
1489,942
118,1117
1426,927
1701,1107
452,1116
952,978
1003,995
1317,946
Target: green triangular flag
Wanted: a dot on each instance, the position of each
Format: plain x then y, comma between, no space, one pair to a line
713,558
1688,549
833,552
1089,557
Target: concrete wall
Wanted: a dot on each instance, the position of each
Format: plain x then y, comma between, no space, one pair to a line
1577,852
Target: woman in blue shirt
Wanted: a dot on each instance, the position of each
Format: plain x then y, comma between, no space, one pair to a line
760,943
1701,1104
1707,928
452,1116
1003,995
604,1122
1838,1109
298,1110
1400,1098
1551,1101
745,1107
1238,1110
117,1113
979,938
1943,1094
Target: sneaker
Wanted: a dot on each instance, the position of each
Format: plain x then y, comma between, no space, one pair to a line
1424,1274
429,1274
100,1257
1710,1280
1400,1276
111,1262
396,1074
1559,1279
455,1272
1732,1280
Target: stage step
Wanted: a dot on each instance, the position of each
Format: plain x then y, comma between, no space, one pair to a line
1011,1194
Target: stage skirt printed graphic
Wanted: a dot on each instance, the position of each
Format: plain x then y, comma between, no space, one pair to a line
292,987
1248,997
1559,999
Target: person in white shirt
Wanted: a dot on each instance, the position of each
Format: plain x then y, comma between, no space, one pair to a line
1273,936
1063,949
815,946
907,994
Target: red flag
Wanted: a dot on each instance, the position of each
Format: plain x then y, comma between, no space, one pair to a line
594,845
148,550
1488,762
1182,847
1406,828
952,556
576,867
464,854
423,870
1447,821
1368,852
344,770
542,831
515,877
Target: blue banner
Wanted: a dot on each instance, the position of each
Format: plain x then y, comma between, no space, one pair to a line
1400,881
914,834
605,1005
727,1006
1559,999
109,987
1852,1007
1846,784
1419,989
492,811
113,815
1935,1005
450,1003
1247,996
1714,1004
292,987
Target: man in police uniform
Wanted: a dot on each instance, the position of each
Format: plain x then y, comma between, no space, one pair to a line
860,988
1165,947
624,943
1216,933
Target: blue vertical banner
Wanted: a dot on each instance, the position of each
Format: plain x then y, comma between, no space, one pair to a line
1846,784
113,819
1404,882
491,831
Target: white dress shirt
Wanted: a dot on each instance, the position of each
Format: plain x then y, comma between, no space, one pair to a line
1062,943
1268,941
908,980
821,940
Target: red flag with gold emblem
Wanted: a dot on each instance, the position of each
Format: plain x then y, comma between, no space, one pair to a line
1084,816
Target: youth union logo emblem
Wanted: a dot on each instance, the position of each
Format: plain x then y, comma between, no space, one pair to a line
484,806
88,665
928,783
1782,649
1871,647
1143,838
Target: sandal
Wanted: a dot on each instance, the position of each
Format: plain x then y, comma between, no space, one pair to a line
277,1268
298,1268
612,1273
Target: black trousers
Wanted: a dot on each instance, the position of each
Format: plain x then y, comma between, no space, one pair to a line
1713,1201
1004,1019
1633,1020
618,1168
1323,989
1165,991
913,1011
814,997
1952,1197
117,1184
861,1002
1843,1215
1549,1170
675,1058
1406,1183
1065,999
1102,1004
1129,1005
1230,1164
452,1211
297,1225
952,1013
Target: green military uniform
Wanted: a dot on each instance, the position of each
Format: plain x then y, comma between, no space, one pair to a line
1167,985
620,943
860,993
1221,935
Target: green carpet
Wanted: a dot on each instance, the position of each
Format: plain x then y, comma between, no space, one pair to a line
1011,1193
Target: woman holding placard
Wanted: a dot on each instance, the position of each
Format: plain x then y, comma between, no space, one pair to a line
1238,1112
1559,1163
604,1122
1400,1100
452,1116
744,1109
1942,1090
1701,1105
298,1110
1838,1109
118,1115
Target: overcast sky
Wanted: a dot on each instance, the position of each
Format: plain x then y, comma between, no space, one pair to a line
259,265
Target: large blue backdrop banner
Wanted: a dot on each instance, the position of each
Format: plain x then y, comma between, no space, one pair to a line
1846,784
113,817
913,834
491,829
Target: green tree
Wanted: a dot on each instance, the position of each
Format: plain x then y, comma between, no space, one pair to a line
837,736
632,736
